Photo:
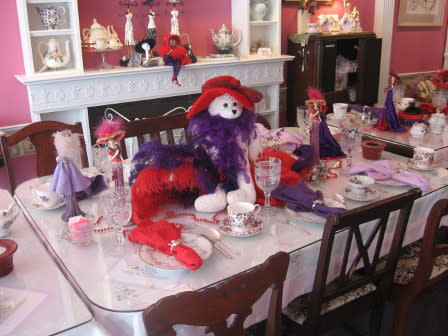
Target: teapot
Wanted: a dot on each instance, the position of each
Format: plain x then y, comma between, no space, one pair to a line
95,33
437,122
114,40
51,16
418,129
259,9
54,58
225,40
7,217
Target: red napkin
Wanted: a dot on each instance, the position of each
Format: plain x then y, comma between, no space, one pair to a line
165,237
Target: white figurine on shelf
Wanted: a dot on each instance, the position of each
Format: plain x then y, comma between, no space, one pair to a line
129,32
174,22
152,25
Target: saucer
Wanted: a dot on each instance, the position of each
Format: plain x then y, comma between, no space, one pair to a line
371,195
430,167
41,207
225,228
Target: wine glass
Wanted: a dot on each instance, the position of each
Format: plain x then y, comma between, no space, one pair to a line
397,94
303,120
350,139
439,99
101,160
116,209
267,176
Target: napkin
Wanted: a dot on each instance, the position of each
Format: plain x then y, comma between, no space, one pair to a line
166,237
385,169
288,140
299,197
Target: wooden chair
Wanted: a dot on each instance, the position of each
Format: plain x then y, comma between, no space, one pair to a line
157,128
41,136
213,305
421,267
362,280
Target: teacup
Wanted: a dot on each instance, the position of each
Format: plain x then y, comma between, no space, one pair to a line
360,184
423,157
7,217
339,110
406,102
241,216
45,196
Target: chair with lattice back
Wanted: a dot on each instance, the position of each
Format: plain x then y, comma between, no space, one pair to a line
350,276
212,306
41,136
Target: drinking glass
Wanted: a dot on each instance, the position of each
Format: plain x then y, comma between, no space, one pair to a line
267,176
101,161
439,99
397,94
303,120
350,139
116,210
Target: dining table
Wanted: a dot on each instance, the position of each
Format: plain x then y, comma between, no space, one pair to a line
36,298
117,287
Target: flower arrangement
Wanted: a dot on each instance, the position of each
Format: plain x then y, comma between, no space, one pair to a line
308,5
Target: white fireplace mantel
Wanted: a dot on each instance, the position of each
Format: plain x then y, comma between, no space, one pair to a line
66,97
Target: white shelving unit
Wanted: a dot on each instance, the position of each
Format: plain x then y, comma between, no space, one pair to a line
267,30
33,31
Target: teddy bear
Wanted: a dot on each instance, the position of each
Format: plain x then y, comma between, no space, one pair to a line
211,170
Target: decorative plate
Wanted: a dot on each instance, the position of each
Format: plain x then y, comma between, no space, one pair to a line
161,260
371,195
311,217
225,228
38,206
430,167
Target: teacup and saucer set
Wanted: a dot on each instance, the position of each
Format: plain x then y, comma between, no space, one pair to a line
241,220
46,199
360,189
423,159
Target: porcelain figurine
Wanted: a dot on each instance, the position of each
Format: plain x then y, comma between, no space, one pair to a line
51,16
114,40
225,40
54,58
7,217
437,122
418,129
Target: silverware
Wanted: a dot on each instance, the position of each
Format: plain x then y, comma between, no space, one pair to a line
217,246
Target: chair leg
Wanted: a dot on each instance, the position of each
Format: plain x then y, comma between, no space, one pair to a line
376,316
401,313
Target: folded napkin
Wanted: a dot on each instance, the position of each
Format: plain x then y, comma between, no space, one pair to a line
166,237
288,141
299,197
385,169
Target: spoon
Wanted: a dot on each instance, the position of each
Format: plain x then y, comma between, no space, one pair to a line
216,235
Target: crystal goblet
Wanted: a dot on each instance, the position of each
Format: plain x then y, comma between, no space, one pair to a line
267,176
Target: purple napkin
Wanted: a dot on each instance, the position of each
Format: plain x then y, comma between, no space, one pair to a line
329,147
299,197
289,140
385,169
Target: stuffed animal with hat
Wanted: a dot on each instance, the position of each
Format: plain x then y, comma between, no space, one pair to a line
210,171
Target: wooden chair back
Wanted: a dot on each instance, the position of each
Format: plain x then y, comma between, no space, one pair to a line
154,127
213,305
41,136
360,248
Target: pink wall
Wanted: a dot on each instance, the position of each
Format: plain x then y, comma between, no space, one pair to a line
14,107
417,49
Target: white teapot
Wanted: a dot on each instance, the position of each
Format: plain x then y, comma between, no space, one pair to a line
114,40
54,58
225,40
437,122
418,129
7,217
95,32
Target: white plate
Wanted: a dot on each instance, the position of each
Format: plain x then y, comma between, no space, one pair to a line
158,259
369,196
225,228
390,182
311,217
431,167
38,206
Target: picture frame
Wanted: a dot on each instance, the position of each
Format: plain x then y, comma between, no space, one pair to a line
320,2
423,13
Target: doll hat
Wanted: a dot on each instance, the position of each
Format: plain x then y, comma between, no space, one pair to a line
108,130
221,85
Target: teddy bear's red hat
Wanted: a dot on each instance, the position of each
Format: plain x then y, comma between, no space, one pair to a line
218,86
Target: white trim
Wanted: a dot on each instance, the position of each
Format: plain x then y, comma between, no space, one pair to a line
383,27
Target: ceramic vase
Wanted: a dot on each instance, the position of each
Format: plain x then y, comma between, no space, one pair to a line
303,19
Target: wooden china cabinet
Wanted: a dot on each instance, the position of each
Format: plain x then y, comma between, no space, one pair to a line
314,65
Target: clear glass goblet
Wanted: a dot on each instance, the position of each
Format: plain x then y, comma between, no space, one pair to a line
101,161
116,209
303,120
439,99
267,176
350,140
